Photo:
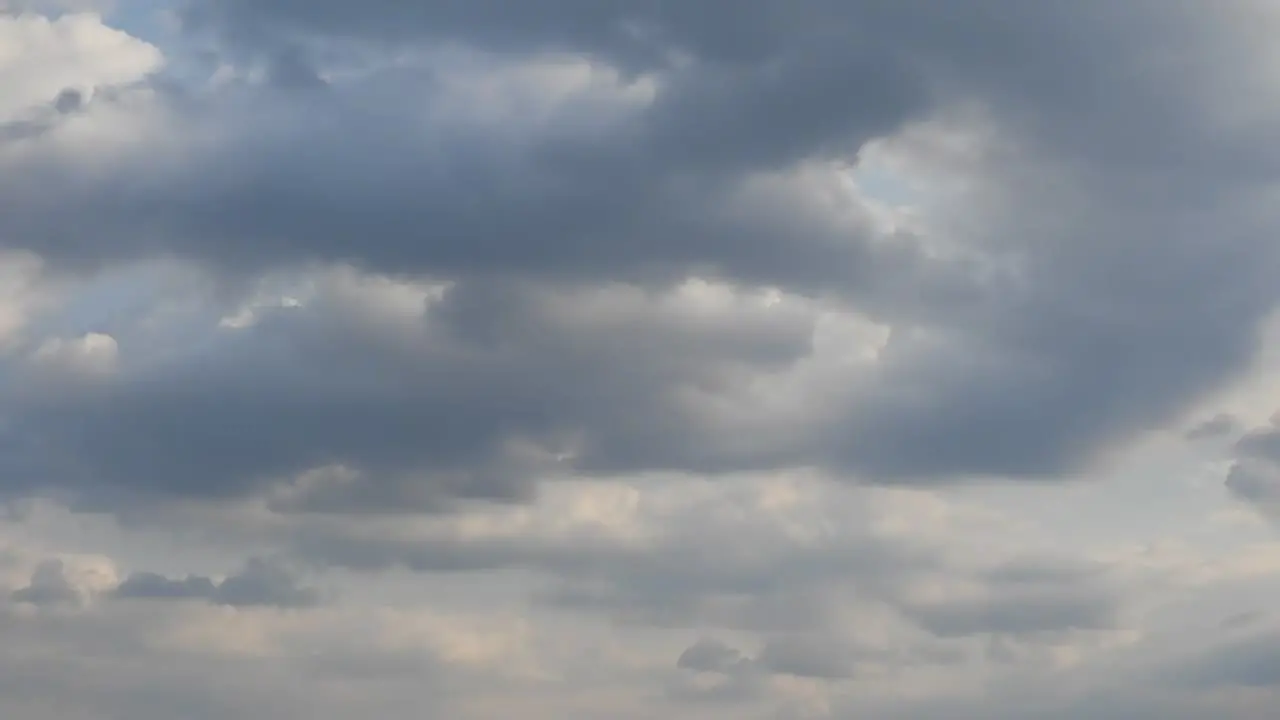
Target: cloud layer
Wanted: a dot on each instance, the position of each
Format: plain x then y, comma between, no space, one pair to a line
805,359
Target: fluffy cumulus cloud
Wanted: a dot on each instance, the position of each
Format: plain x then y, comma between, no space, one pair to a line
629,359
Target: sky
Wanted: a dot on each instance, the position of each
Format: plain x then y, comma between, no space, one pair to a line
844,359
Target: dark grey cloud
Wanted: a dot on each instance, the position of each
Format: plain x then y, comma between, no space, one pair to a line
259,583
1254,475
1019,615
42,119
1243,619
1253,662
1029,60
710,655
149,585
807,657
422,411
1260,444
737,675
1215,427
798,656
705,568
1047,703
350,174
1027,597
1254,482
49,586
699,571
1138,258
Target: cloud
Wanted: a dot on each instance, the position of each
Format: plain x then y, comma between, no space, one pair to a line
1024,597
1254,482
636,358
65,582
258,583
806,657
1250,663
91,354
713,672
690,554
824,577
55,60
1254,474
156,660
708,655
1068,316
25,291
49,586
1018,615
1216,426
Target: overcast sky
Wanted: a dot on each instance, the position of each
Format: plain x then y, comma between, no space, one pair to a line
632,359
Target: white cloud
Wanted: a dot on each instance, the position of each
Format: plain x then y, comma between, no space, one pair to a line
89,355
41,57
